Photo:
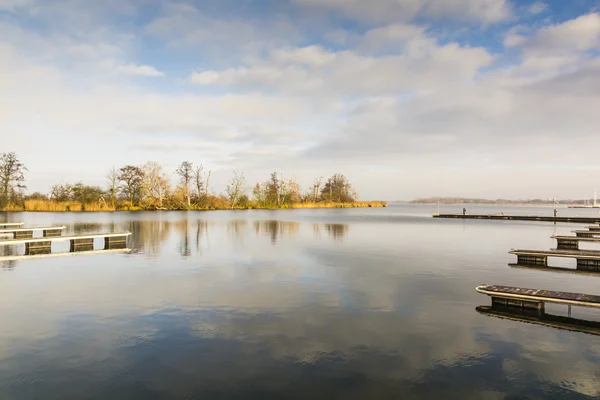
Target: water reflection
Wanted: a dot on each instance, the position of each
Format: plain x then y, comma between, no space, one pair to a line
542,318
336,231
307,304
276,229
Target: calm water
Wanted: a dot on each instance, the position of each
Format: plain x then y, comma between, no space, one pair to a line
373,303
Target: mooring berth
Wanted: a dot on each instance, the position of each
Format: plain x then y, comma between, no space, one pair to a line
25,233
516,297
78,243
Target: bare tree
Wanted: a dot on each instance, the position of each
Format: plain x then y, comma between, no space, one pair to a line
113,184
155,182
236,188
131,178
199,181
185,171
317,182
12,176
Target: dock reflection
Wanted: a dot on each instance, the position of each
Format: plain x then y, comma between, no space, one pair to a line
542,318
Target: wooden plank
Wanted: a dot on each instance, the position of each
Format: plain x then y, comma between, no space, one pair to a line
59,238
550,296
581,254
62,254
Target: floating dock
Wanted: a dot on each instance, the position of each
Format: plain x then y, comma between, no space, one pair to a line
579,220
588,233
522,298
572,242
25,233
586,259
35,246
7,225
586,271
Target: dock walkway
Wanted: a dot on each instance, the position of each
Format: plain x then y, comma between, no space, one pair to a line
43,245
516,297
24,233
586,259
5,225
581,220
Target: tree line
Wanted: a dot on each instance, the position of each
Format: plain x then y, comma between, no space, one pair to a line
148,186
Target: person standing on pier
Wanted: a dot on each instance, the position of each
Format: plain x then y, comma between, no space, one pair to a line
464,211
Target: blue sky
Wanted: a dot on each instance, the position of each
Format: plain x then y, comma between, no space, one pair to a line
408,98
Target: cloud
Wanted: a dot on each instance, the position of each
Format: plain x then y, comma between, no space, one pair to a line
484,11
538,7
140,70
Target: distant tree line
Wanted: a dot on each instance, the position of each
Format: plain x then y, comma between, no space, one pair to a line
148,187
466,200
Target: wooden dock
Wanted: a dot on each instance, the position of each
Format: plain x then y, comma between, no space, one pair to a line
553,321
78,243
588,233
7,225
572,242
515,297
586,259
579,220
25,233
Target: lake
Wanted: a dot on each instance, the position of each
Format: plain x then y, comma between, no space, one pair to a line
332,303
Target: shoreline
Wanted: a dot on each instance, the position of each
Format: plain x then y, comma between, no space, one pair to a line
298,206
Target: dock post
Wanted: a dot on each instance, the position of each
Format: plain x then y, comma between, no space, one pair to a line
567,244
115,242
504,302
52,232
82,245
23,235
588,265
35,248
532,260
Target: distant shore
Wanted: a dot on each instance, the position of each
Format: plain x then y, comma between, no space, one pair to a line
78,207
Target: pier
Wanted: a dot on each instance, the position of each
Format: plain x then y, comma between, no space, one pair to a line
572,242
535,299
502,217
34,246
588,233
25,233
7,225
586,259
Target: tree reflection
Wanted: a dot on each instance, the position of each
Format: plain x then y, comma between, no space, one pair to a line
276,229
336,231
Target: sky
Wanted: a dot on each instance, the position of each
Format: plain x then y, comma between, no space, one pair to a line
407,98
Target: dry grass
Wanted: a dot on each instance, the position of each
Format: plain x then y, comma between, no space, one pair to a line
356,204
64,206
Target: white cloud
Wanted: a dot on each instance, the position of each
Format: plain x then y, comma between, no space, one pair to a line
485,11
538,7
140,70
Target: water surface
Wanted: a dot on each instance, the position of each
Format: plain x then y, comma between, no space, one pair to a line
344,303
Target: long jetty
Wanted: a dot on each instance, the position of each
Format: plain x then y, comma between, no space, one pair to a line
502,217
78,243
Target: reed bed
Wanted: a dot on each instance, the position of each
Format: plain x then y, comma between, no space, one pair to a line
64,206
